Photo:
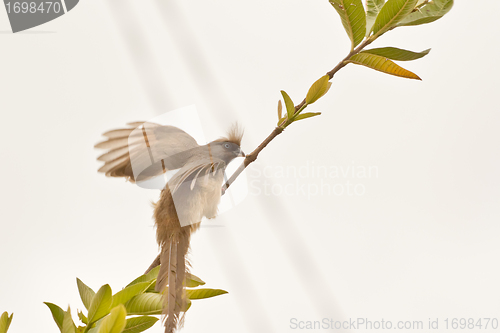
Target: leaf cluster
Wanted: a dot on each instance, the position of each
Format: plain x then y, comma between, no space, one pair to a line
133,309
363,25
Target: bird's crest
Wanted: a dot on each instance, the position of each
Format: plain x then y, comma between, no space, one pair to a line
234,135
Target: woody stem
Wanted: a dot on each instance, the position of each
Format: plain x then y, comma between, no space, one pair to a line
250,158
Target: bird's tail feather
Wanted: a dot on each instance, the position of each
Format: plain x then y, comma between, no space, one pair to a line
171,279
169,302
174,242
161,280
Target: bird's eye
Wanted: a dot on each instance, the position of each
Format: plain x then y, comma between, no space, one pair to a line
226,145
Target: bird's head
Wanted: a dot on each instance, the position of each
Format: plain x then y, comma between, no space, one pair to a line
228,148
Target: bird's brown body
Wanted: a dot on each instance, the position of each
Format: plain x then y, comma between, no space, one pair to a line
192,193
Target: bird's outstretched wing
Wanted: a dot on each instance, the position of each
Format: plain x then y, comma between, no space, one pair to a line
144,150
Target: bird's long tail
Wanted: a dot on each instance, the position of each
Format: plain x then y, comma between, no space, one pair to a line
174,242
174,301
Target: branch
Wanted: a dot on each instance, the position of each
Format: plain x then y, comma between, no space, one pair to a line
250,158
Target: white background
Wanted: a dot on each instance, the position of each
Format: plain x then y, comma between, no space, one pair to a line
422,242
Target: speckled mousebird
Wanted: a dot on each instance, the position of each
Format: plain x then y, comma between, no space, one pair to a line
146,150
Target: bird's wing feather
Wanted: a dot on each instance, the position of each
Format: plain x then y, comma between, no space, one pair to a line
118,133
194,170
113,154
138,152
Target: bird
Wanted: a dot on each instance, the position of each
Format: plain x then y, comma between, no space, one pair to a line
146,150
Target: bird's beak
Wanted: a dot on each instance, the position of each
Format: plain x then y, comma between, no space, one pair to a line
241,154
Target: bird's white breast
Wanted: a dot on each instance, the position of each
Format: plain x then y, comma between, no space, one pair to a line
193,204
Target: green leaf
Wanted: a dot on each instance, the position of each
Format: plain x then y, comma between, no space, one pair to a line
127,293
373,7
5,321
353,19
57,314
145,304
306,115
290,108
193,281
284,119
204,293
152,275
428,13
86,293
391,14
152,288
68,325
318,89
187,305
139,324
382,64
82,317
97,324
397,54
101,304
115,322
